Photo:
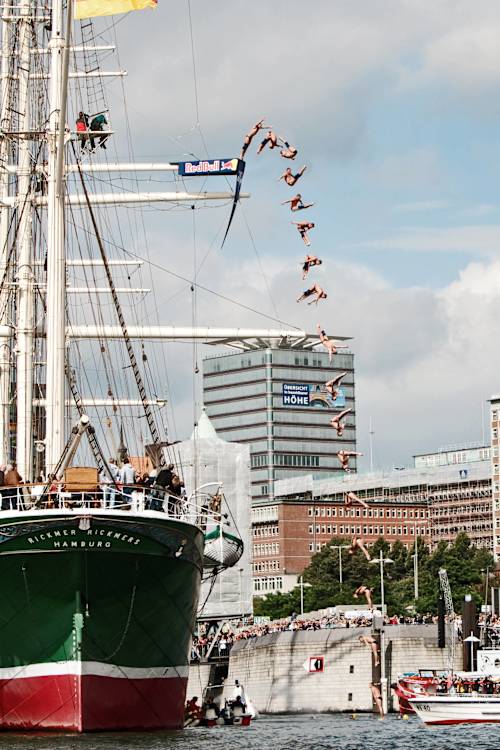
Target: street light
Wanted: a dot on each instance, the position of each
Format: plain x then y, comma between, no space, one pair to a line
472,639
415,559
340,547
302,585
381,560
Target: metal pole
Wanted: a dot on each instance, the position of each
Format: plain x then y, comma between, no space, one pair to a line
340,566
382,582
301,595
371,444
415,566
24,348
56,268
5,213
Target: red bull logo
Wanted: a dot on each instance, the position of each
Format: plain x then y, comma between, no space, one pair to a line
208,167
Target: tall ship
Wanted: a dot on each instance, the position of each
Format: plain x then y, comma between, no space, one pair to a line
100,568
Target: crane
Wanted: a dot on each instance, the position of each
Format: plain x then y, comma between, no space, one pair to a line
444,585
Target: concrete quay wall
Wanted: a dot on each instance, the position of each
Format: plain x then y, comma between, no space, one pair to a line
272,667
199,678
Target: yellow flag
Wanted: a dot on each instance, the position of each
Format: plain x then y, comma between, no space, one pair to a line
91,8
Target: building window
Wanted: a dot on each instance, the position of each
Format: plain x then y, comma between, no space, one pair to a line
311,547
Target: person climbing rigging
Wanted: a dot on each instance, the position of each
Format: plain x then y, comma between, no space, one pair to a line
315,290
82,126
97,125
291,178
304,227
297,204
251,135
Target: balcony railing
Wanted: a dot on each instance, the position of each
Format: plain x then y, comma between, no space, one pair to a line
201,508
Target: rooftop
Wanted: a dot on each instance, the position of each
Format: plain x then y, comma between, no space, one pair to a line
393,478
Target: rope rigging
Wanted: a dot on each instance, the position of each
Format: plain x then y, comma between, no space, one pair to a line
128,343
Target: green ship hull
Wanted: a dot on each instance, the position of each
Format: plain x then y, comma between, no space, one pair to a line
96,622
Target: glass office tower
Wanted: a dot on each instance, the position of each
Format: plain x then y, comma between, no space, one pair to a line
275,400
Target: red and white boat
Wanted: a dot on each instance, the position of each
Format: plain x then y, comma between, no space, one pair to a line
462,708
414,685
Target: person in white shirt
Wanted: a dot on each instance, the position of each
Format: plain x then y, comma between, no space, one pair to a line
108,482
127,477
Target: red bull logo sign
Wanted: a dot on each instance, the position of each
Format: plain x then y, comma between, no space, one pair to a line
208,167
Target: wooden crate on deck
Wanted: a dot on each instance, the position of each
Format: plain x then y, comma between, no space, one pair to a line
81,479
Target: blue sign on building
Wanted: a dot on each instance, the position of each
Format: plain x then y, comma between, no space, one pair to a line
295,394
303,394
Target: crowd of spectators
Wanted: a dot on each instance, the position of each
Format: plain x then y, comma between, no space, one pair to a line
218,642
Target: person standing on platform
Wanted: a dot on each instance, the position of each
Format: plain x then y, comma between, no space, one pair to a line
127,477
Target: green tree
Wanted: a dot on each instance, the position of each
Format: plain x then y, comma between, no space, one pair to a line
465,564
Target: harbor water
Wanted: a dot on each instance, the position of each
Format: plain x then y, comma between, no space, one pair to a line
292,732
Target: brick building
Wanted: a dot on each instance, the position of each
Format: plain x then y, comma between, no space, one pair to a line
436,503
495,471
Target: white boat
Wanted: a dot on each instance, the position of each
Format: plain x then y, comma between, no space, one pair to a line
461,708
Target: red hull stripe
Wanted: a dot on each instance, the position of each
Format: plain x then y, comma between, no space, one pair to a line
92,702
465,721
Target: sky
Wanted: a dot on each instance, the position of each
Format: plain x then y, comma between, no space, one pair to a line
394,106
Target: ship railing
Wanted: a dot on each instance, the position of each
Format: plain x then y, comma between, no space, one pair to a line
134,498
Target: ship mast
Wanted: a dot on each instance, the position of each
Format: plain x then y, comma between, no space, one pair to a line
56,268
24,348
5,213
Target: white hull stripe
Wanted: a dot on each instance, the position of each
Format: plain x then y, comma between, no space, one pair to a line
94,668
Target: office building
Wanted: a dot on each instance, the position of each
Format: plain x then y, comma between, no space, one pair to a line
436,503
495,472
450,455
273,398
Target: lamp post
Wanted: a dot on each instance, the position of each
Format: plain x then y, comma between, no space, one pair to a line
340,547
381,561
415,561
302,585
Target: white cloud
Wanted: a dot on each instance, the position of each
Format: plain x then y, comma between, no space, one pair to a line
425,360
474,239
